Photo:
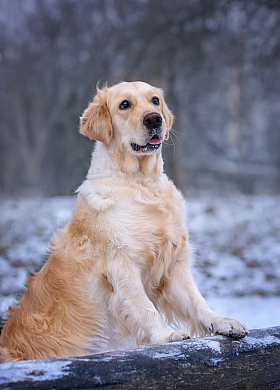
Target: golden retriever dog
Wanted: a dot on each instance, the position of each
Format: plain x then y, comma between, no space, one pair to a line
119,273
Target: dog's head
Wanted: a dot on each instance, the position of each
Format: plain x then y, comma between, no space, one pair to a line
133,115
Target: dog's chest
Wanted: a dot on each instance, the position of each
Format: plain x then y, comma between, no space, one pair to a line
152,221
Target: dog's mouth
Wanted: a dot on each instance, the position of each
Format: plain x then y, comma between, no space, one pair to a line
153,144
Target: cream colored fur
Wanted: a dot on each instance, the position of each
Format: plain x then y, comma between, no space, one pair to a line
122,264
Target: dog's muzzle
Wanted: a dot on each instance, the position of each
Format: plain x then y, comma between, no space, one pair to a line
152,122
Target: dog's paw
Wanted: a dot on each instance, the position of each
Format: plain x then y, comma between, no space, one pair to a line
169,336
228,327
179,335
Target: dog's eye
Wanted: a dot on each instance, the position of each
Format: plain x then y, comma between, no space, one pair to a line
124,105
155,101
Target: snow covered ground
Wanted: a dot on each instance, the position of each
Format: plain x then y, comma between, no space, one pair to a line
236,246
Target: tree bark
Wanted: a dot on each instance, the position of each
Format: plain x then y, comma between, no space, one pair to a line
214,362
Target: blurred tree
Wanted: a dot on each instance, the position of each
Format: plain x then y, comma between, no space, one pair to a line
217,62
46,73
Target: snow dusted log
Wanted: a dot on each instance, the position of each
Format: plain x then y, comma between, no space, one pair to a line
203,363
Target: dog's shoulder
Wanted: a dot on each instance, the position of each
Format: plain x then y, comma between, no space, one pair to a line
99,194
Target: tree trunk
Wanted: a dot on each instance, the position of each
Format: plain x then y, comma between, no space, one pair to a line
214,362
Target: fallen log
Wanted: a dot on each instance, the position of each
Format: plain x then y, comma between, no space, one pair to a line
215,362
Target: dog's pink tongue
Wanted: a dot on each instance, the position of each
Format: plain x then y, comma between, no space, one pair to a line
155,140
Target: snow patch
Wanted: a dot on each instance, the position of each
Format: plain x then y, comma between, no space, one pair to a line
42,372
201,343
215,361
164,355
266,340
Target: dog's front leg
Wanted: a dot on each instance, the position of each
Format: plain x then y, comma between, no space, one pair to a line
132,310
182,298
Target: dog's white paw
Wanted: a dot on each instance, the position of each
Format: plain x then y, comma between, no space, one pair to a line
169,336
179,335
228,327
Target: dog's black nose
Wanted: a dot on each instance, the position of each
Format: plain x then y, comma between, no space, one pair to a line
152,120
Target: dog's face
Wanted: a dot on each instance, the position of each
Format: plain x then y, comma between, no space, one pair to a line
134,115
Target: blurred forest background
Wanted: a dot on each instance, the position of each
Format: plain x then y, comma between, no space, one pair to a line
218,62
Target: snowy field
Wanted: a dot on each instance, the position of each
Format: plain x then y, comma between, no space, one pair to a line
236,245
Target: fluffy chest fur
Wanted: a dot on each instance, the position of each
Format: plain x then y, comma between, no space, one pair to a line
146,218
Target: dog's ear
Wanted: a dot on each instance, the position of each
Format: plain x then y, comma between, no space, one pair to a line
168,116
96,121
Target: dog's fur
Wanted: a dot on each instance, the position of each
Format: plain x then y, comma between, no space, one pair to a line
123,261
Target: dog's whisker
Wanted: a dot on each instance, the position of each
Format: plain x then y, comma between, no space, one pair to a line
173,144
176,131
178,139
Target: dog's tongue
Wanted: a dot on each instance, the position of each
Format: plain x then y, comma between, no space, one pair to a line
155,140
